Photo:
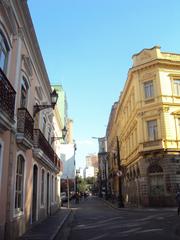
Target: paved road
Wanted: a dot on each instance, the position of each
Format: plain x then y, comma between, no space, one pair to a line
95,220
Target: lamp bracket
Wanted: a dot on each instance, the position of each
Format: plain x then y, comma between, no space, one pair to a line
38,108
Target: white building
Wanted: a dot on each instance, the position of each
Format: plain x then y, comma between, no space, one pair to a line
89,172
67,153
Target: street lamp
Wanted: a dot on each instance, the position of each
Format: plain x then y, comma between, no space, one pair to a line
64,132
120,197
54,98
75,172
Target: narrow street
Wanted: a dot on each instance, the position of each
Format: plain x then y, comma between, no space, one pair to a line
94,219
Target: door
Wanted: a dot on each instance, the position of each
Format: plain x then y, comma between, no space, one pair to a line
47,200
34,200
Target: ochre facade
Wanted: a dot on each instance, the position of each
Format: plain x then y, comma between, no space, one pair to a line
147,123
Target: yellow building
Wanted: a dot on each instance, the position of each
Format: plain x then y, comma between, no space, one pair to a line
147,123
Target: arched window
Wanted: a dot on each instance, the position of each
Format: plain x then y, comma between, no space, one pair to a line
42,187
19,184
4,50
24,93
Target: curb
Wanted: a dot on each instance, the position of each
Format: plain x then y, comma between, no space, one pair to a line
174,209
60,226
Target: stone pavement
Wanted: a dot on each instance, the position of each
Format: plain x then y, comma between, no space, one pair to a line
50,228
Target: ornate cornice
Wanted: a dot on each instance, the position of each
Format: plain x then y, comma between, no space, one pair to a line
7,10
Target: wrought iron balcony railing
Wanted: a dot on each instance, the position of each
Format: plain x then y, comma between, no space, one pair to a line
7,96
41,142
25,125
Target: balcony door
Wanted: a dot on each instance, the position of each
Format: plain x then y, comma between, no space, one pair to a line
47,197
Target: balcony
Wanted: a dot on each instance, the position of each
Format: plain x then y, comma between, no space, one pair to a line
7,102
44,151
25,123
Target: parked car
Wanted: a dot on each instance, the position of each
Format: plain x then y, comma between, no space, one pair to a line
63,197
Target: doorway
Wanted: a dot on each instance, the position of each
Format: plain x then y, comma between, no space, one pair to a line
47,202
34,200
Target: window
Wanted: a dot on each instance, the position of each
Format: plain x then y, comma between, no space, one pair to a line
152,130
3,53
148,89
176,84
42,187
19,184
24,93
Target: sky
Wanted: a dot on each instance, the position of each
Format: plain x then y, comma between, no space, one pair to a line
87,46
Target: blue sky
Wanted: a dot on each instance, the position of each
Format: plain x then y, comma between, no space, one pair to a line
87,46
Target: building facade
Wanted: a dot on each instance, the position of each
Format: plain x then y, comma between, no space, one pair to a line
103,184
147,125
111,136
29,165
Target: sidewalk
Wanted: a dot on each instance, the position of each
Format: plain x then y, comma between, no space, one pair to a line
50,227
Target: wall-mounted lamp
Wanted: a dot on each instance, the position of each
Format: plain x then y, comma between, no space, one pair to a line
64,132
54,98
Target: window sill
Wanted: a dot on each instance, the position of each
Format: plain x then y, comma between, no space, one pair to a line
149,100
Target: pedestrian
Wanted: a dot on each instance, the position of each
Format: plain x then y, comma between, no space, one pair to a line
77,198
178,201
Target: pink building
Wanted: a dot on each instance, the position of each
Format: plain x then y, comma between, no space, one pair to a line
29,165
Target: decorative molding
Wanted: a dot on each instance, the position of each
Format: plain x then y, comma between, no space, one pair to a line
27,64
50,117
164,109
9,16
39,92
145,55
140,114
149,75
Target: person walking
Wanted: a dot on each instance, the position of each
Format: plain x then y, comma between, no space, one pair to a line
178,201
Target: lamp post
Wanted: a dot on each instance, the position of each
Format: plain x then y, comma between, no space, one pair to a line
64,132
54,98
120,197
75,171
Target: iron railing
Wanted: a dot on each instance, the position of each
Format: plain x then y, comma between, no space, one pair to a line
7,95
41,142
25,124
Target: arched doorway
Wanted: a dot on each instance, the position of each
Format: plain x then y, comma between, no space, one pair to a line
156,185
34,199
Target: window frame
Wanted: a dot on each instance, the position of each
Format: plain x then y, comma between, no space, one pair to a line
176,87
155,133
149,86
24,84
19,211
4,42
